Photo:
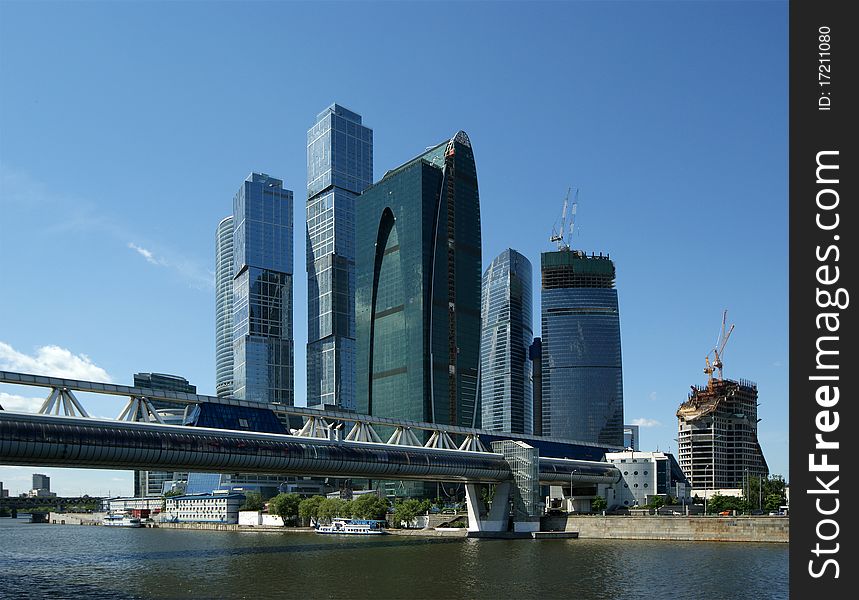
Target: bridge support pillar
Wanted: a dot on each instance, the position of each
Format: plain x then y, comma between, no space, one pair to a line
499,513
524,461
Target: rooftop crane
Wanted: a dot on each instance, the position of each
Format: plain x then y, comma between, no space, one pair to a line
723,339
559,234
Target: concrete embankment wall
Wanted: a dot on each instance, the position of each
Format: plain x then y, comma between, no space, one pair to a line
680,528
76,518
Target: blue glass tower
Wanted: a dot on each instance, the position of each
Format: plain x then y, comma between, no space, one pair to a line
506,334
582,374
263,362
339,168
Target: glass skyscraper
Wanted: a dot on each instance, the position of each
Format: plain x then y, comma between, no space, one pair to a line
505,338
339,168
224,307
151,483
418,264
263,361
582,374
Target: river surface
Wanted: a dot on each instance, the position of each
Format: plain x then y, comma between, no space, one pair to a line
74,561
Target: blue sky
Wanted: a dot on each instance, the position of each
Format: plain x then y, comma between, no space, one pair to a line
126,128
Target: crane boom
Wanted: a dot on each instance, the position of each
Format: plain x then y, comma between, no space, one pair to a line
558,233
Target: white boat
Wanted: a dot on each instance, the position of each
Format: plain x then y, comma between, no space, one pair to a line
352,527
121,521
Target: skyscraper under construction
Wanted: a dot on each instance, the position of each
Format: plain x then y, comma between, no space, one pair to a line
718,435
582,373
718,428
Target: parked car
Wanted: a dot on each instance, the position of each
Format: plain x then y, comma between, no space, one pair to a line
725,513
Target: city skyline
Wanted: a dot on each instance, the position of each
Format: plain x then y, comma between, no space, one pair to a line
673,196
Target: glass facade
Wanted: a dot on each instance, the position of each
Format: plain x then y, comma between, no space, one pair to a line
224,307
152,483
417,307
505,338
263,360
339,168
582,374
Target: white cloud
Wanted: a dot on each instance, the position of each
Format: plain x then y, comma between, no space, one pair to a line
52,361
17,403
646,422
147,254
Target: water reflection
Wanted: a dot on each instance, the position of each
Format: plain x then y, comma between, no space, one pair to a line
96,562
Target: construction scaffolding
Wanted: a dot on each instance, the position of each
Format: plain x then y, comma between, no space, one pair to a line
718,435
575,269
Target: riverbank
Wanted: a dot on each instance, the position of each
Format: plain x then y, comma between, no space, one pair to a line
280,529
675,528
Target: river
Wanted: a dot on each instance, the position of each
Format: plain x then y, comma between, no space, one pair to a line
73,561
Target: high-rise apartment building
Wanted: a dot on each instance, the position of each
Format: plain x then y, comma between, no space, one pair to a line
582,374
151,483
718,435
506,336
263,360
224,238
41,482
339,168
418,264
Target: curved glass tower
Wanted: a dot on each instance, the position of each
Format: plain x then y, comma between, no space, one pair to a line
505,338
582,374
224,307
417,309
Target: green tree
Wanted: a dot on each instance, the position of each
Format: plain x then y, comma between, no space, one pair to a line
657,502
406,511
286,506
598,504
330,508
309,509
760,489
253,501
773,502
719,503
369,506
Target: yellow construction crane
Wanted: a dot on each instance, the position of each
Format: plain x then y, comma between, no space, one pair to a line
708,371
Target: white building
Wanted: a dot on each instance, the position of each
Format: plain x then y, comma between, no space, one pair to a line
646,474
217,507
119,505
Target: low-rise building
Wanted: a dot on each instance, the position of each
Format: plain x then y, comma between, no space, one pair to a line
217,507
647,474
139,507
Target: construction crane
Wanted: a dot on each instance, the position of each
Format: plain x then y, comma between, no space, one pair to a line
559,234
719,350
708,371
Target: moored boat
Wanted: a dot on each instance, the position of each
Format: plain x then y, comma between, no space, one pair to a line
353,527
112,520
